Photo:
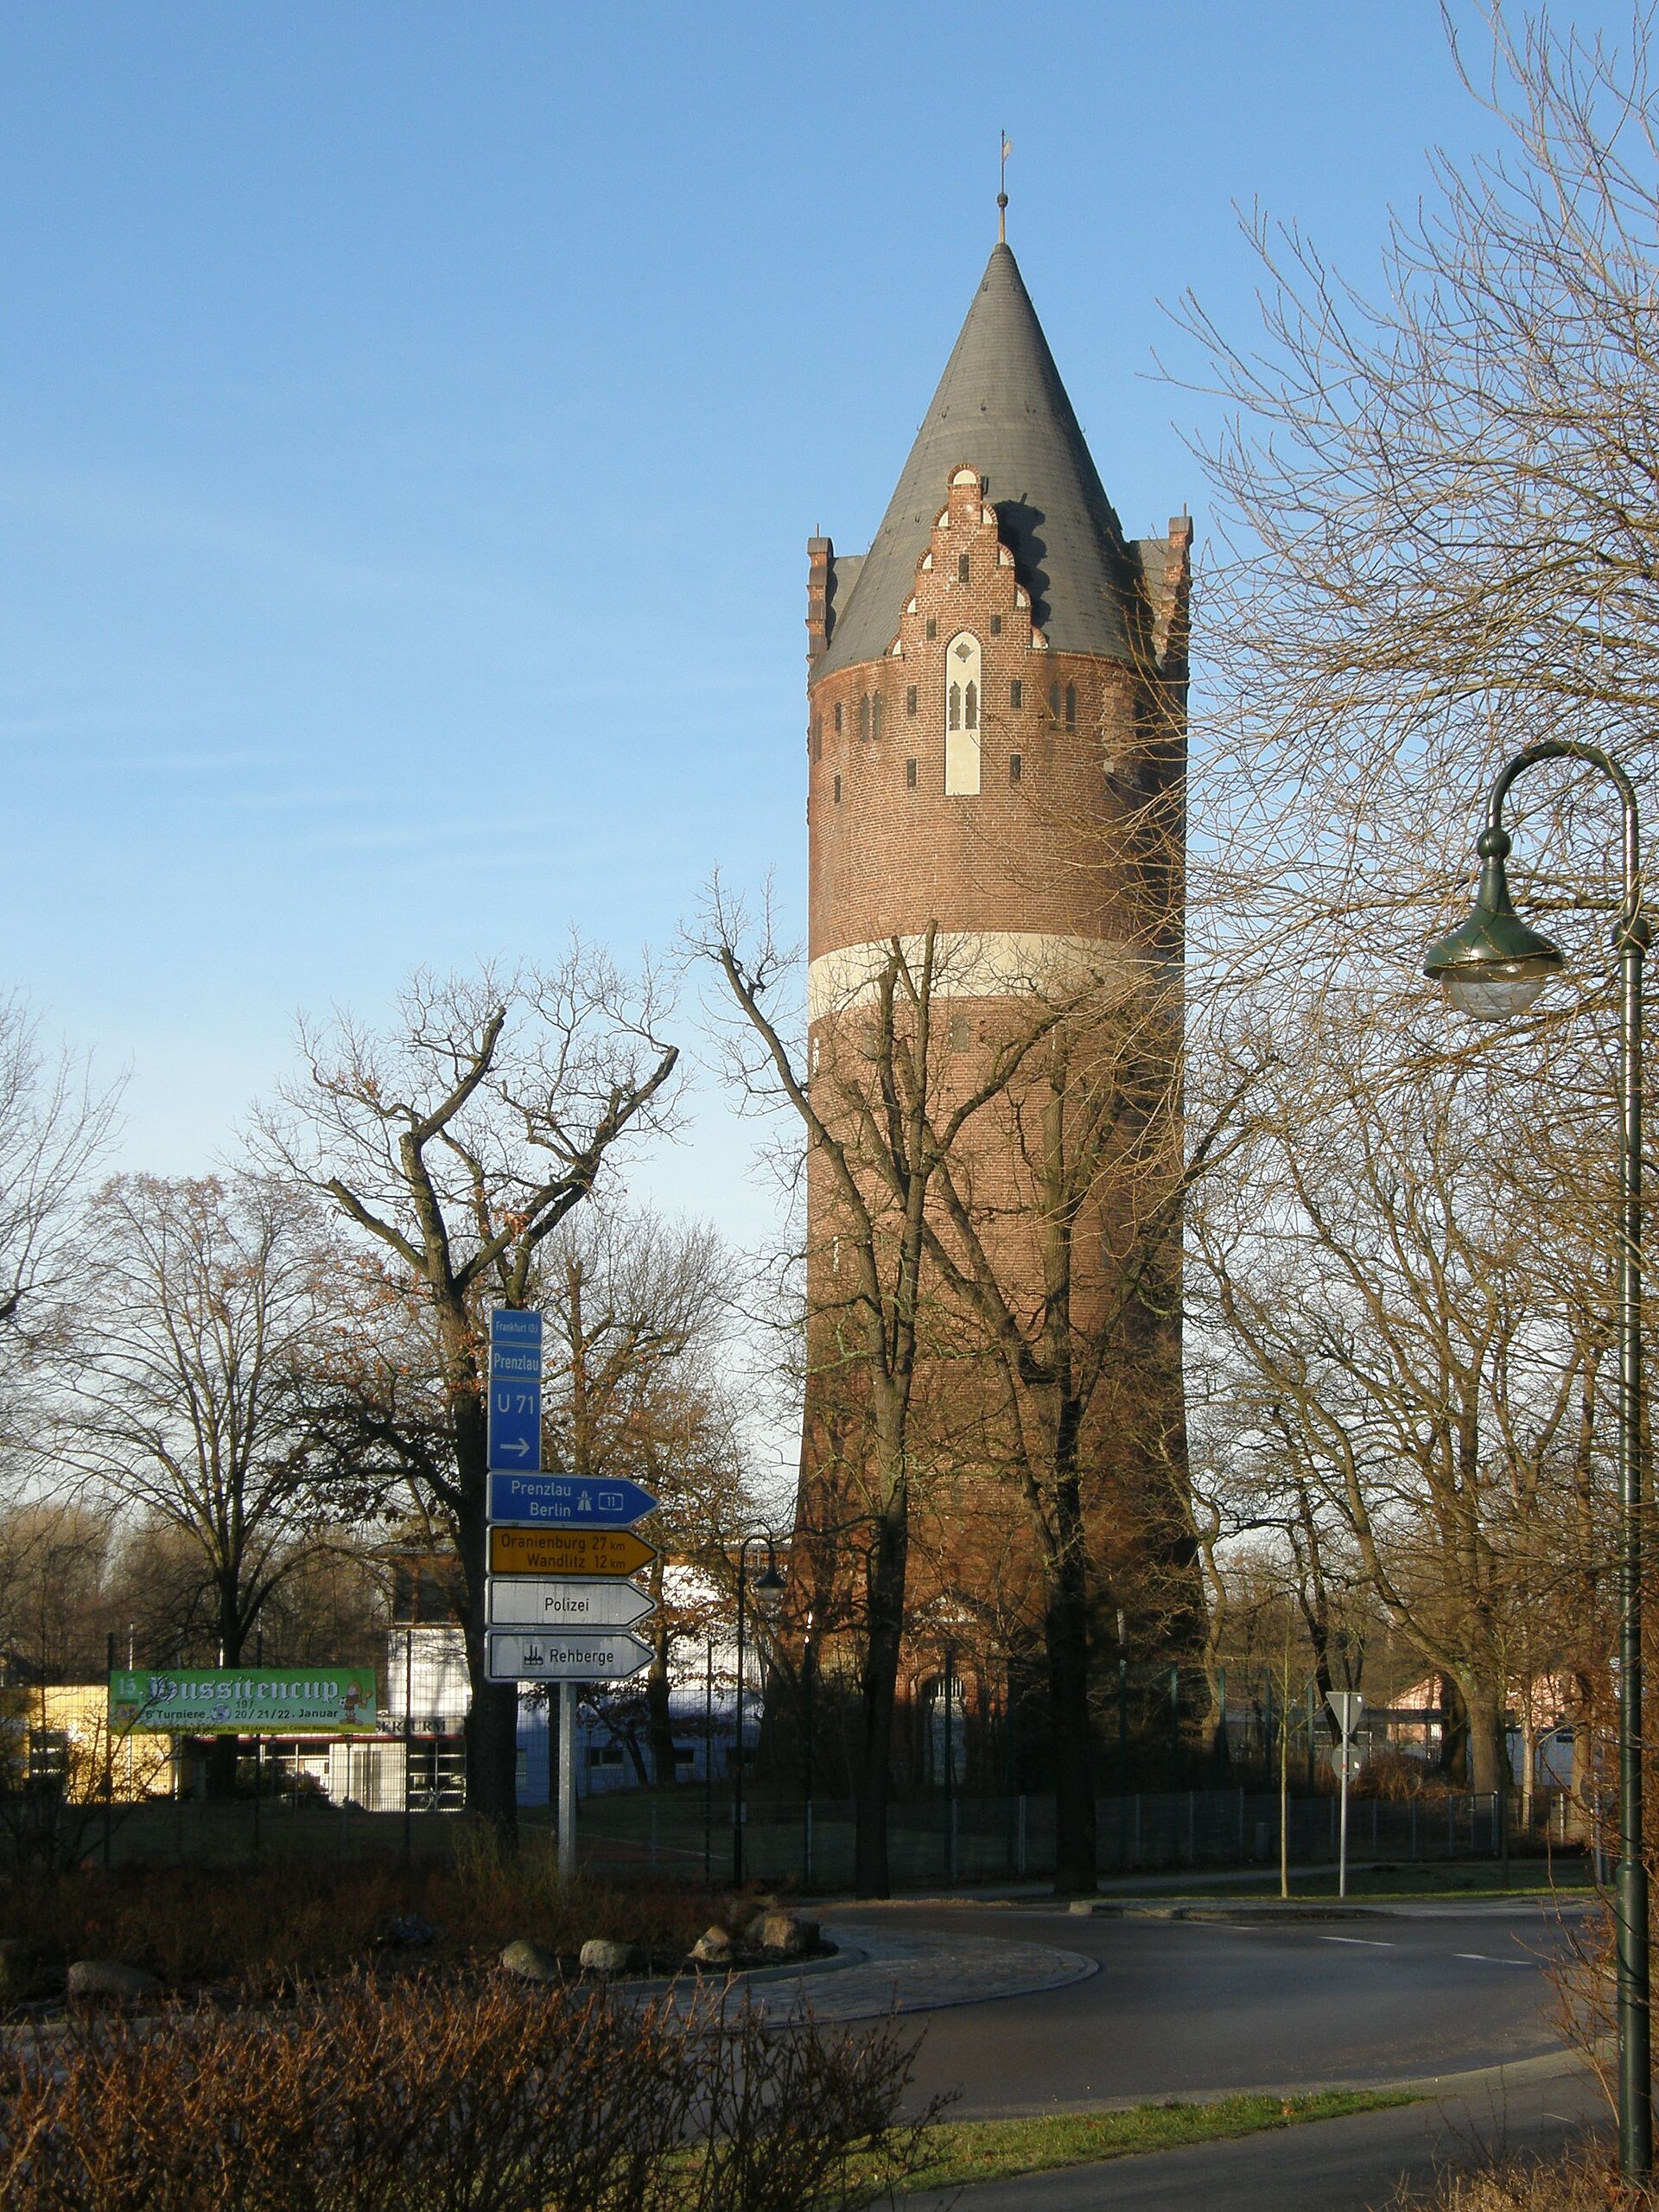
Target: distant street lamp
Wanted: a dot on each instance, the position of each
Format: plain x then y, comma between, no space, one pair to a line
768,1597
1494,966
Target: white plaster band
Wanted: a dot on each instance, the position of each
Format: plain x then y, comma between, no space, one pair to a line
970,964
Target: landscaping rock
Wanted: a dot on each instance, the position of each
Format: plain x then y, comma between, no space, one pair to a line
93,1979
530,1962
600,1957
786,1935
403,1931
713,1947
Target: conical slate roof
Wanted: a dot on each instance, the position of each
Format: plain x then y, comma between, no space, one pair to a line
1000,408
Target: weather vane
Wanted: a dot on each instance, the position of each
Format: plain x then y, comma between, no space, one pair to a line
1003,193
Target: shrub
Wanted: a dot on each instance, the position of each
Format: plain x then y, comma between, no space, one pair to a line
274,1924
453,2097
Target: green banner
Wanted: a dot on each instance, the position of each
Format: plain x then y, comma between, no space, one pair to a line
243,1700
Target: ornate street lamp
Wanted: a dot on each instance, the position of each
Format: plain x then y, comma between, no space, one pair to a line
768,1599
1493,966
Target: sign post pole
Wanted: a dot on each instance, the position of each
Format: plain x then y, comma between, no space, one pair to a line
567,1781
1342,1854
1346,1708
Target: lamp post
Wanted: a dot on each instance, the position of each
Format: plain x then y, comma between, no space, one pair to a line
768,1597
1494,966
806,1753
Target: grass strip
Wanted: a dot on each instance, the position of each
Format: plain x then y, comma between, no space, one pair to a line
965,2151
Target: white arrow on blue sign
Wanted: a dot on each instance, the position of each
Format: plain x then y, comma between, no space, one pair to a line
515,1389
567,1501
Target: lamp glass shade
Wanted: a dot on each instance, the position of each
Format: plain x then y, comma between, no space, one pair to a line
768,1591
1493,998
1492,965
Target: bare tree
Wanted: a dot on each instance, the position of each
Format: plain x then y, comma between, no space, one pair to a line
191,1406
1057,1241
639,1384
457,1143
1409,1370
881,1109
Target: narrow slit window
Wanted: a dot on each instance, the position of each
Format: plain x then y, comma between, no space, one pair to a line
910,698
864,715
875,717
1070,706
1016,695
1053,702
818,741
963,570
932,626
1014,766
909,775
970,705
837,718
996,626
837,790
953,719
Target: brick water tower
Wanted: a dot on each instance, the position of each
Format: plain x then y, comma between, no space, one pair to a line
997,697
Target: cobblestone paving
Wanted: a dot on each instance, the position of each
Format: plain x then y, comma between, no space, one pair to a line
916,1973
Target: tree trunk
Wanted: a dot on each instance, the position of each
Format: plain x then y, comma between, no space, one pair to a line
493,1721
218,1778
659,1727
887,1568
1488,1745
1066,1625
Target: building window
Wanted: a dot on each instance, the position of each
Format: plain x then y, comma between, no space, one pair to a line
1070,706
909,775
1053,704
962,569
837,718
1014,765
837,790
996,626
876,718
932,627
1016,695
818,741
910,698
864,715
962,715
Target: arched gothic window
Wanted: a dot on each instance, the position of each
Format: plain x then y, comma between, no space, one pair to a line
962,715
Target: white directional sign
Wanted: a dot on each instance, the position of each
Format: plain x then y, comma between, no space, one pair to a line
516,1603
521,1655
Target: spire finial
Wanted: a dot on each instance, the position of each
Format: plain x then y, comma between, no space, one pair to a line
1002,193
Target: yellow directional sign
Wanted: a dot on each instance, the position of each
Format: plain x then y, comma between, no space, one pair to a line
568,1551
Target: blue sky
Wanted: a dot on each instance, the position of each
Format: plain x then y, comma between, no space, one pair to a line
411,418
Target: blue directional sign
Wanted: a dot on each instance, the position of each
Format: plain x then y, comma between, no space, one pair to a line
567,1501
515,1385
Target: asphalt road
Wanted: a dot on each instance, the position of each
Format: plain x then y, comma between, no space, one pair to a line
1183,2008
1180,2007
